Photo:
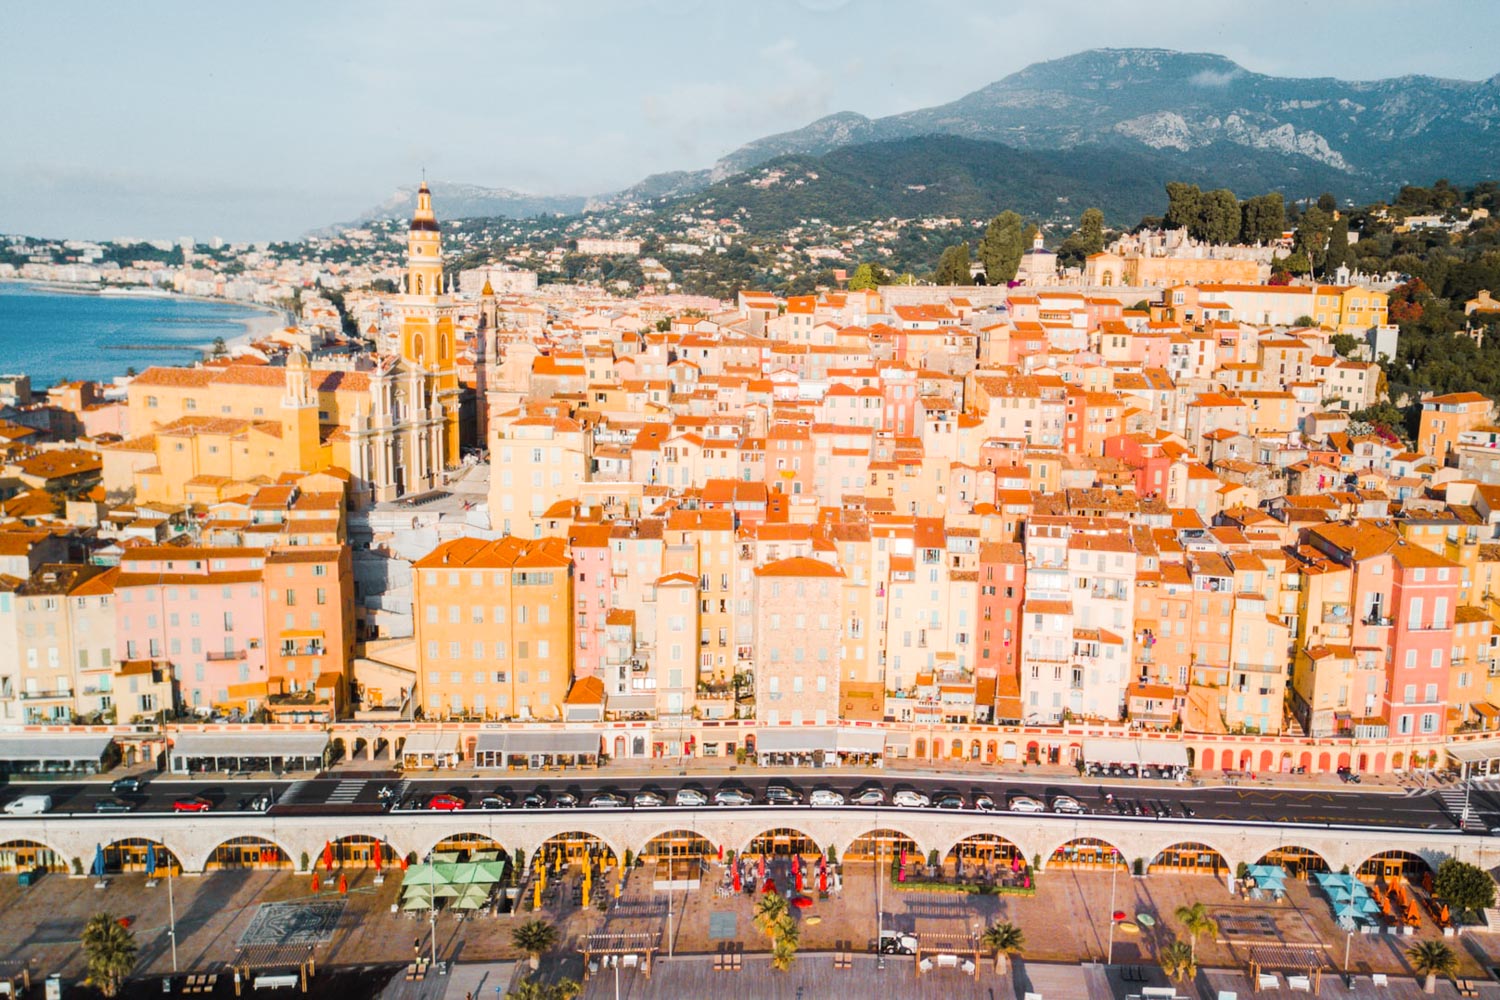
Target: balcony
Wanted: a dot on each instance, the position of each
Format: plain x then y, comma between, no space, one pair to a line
238,654
1381,621
52,695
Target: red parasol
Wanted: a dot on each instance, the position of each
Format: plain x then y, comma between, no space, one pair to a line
761,870
1119,914
797,875
721,854
317,885
377,856
327,856
403,862
796,862
822,879
769,889
801,902
738,885
343,884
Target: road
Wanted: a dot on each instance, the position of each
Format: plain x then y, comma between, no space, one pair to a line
358,793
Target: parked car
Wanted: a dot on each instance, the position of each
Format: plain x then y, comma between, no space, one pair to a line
647,800
122,785
1067,804
490,802
606,800
825,797
112,806
780,795
869,797
565,800
733,797
984,803
690,797
896,943
534,800
908,799
196,804
951,801
443,802
1026,804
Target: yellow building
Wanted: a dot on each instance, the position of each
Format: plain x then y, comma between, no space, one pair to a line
494,629
427,341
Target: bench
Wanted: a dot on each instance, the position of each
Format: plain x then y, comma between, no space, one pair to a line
282,982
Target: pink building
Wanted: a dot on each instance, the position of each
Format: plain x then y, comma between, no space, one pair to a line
200,611
589,545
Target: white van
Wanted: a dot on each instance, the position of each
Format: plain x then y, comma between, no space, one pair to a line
29,805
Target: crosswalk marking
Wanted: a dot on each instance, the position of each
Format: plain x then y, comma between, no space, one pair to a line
1453,801
346,791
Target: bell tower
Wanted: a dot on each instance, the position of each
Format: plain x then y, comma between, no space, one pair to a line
428,343
300,432
424,249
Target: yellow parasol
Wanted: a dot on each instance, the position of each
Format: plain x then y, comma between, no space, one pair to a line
536,895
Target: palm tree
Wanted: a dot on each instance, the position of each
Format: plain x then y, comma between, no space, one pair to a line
1178,961
1006,939
1432,959
1196,921
535,938
111,952
783,954
771,915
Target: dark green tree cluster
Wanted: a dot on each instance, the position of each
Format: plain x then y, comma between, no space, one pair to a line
953,266
1087,239
1001,246
1210,216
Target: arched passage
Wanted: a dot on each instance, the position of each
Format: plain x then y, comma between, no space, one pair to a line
358,851
247,852
565,849
467,845
1190,858
30,856
781,843
1299,862
675,844
983,853
880,844
132,855
1087,852
1389,865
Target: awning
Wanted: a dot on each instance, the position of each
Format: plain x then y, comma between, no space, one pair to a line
430,745
49,746
861,741
249,744
1473,752
797,739
1155,753
898,739
548,742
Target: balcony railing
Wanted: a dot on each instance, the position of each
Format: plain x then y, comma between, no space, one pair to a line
52,695
1381,620
238,654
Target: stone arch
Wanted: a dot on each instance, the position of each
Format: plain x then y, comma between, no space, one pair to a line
956,749
991,751
248,851
416,340
1325,760
568,847
678,842
986,851
975,750
1305,761
1286,762
1085,852
882,842
1384,866
1380,762
1107,278
1343,759
781,842
1398,761
1190,857
619,750
1208,759
357,850
129,855
1299,862
1088,853
921,747
467,843
21,855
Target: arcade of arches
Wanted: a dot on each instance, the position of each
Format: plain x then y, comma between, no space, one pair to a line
781,843
572,848
1087,853
247,852
983,851
1190,859
676,844
880,844
1390,865
1298,862
28,855
130,855
466,845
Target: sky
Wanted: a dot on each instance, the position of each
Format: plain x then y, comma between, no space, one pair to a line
262,121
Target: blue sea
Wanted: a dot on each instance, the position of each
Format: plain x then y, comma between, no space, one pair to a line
60,336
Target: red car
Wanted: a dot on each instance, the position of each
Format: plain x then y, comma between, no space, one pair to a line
443,802
193,805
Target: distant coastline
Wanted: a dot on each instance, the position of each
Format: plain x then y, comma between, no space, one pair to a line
284,316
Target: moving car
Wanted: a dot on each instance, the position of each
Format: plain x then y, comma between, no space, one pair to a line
122,785
647,800
443,802
1067,804
607,800
869,797
950,801
29,805
780,795
825,797
908,799
112,806
1026,804
733,797
690,797
196,804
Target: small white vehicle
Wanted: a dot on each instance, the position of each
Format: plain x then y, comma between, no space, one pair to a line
29,805
896,943
908,799
825,797
1026,804
690,797
1067,804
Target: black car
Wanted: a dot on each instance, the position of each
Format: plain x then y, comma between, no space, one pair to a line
565,801
122,785
950,802
534,800
780,795
112,806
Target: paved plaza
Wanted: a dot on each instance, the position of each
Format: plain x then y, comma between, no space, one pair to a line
1067,926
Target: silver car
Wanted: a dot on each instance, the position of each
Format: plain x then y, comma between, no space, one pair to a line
732,797
908,799
825,797
690,797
